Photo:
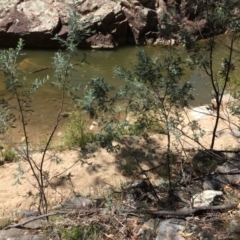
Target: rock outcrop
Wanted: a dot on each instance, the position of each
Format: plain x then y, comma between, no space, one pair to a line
35,21
111,23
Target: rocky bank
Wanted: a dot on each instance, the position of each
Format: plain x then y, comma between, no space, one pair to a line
111,22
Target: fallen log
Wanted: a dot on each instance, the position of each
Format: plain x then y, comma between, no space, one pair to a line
183,213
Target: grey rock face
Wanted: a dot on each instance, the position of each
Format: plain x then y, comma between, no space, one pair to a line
41,16
108,21
36,224
141,21
36,21
111,22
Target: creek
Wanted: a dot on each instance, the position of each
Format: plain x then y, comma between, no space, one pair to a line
99,63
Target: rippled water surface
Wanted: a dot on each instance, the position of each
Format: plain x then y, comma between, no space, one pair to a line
99,63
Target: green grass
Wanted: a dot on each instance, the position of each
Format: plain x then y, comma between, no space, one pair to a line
9,155
77,133
90,232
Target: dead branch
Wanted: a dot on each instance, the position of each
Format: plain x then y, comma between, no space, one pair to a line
184,213
21,225
42,69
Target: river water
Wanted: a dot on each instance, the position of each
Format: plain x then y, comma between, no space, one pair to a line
99,63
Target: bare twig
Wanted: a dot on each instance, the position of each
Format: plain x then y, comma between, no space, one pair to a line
21,225
42,69
152,188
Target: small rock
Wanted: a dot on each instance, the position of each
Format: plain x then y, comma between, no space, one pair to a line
213,182
59,134
236,133
93,125
65,114
234,226
78,202
169,229
205,198
147,231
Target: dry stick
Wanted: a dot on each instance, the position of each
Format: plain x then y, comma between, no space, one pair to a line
42,69
61,173
152,188
23,155
184,213
142,171
33,219
21,225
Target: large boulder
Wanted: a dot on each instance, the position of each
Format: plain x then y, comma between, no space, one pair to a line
35,21
107,21
141,21
5,20
110,22
41,17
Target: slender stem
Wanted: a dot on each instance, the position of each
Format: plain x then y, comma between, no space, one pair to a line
219,95
23,122
43,198
169,155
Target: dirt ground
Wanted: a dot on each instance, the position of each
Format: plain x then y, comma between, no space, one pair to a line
103,170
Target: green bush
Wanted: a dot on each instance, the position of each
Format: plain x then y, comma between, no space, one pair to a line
9,155
77,132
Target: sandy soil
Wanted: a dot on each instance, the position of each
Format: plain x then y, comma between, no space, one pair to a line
90,178
101,171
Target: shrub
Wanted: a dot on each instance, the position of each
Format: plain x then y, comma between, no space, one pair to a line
77,132
9,155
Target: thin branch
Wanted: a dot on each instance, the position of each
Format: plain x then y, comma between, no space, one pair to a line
152,188
21,225
184,213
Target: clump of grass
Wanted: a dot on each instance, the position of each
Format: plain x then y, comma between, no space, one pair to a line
9,155
90,232
4,221
77,133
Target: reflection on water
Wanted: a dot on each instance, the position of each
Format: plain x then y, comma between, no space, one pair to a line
99,63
